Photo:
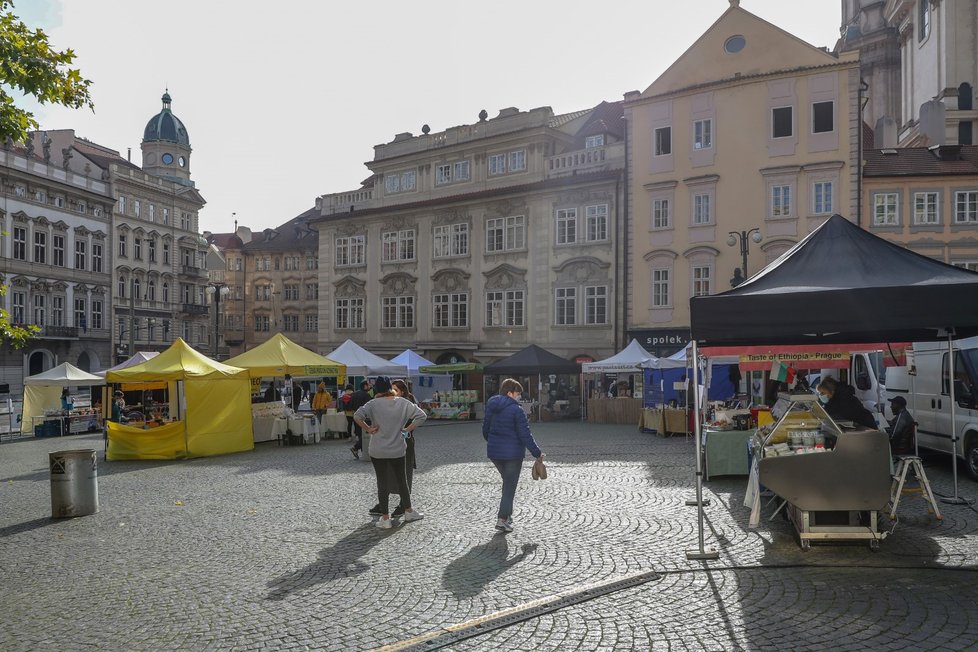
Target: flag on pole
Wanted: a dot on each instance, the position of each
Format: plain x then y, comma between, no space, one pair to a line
783,373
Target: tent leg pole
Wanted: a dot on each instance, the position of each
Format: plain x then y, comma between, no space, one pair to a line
955,499
702,552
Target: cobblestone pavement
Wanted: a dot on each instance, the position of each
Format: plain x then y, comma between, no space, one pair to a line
272,549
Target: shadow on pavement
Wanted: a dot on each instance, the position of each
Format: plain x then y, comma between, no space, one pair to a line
469,574
341,560
26,526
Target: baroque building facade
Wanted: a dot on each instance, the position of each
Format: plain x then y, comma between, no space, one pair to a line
920,63
744,144
474,242
54,259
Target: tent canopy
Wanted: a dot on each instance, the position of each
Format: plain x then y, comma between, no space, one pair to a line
138,357
361,362
533,360
216,418
179,362
631,359
64,375
841,284
279,355
412,361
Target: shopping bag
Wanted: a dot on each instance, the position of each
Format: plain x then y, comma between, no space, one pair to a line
539,470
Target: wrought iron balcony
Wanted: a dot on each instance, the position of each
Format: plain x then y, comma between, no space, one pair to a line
194,309
59,332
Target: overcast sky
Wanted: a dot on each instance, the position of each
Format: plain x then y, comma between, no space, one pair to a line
285,100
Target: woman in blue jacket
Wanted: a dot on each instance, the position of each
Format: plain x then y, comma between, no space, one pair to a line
507,433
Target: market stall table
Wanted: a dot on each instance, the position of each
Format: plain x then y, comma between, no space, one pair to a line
622,411
303,429
664,421
334,424
726,451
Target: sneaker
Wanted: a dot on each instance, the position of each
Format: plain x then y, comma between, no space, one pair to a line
356,453
504,525
413,515
384,523
398,512
376,510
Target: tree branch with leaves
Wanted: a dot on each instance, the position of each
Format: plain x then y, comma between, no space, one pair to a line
29,63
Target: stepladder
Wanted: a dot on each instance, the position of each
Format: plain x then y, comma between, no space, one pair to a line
906,463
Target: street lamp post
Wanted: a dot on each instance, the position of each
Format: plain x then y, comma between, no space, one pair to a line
745,238
217,290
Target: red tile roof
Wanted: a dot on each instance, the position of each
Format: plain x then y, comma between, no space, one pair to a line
943,160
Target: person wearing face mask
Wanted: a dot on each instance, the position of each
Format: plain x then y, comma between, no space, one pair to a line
840,402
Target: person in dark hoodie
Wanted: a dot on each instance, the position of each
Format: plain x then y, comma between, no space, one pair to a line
358,399
507,433
840,402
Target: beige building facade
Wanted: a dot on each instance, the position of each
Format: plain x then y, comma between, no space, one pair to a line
751,132
474,242
925,199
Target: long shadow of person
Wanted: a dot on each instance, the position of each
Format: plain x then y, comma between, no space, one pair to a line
467,575
340,560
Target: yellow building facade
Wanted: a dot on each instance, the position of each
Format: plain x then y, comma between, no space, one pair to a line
751,135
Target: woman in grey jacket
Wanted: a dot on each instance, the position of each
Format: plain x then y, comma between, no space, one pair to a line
387,414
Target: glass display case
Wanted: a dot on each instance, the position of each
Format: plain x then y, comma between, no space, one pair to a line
833,478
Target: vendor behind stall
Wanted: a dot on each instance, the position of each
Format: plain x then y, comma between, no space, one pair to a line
901,428
67,405
840,402
118,407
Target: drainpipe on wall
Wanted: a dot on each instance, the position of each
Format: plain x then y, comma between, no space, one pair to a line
623,283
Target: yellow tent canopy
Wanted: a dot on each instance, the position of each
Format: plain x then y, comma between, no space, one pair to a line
279,355
216,414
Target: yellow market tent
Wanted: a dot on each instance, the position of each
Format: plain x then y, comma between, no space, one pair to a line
279,355
213,401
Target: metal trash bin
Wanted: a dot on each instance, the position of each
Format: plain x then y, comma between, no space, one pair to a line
74,483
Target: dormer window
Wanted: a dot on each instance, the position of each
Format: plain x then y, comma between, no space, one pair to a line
594,141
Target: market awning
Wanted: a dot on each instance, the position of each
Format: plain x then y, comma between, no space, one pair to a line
805,356
279,355
456,368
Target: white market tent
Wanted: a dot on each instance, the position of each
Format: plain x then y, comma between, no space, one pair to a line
424,386
361,362
138,358
43,391
632,359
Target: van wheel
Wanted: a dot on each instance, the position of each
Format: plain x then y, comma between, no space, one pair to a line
971,456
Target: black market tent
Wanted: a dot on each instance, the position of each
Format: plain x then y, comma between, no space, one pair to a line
841,285
533,360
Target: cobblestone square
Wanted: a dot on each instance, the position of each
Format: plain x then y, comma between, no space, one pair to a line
273,549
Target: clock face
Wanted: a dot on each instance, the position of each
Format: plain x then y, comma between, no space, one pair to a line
183,161
167,158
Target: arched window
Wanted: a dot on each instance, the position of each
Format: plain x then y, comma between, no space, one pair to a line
135,289
151,290
166,292
122,287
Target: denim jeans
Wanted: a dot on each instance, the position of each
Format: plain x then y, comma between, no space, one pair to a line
510,472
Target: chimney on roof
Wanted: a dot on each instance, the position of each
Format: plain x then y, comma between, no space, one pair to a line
129,154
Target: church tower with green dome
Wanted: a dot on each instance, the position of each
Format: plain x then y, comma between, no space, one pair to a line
166,146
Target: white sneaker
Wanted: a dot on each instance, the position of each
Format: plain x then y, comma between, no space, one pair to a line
384,523
504,525
412,515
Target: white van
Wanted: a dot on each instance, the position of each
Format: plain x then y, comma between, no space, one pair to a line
927,391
